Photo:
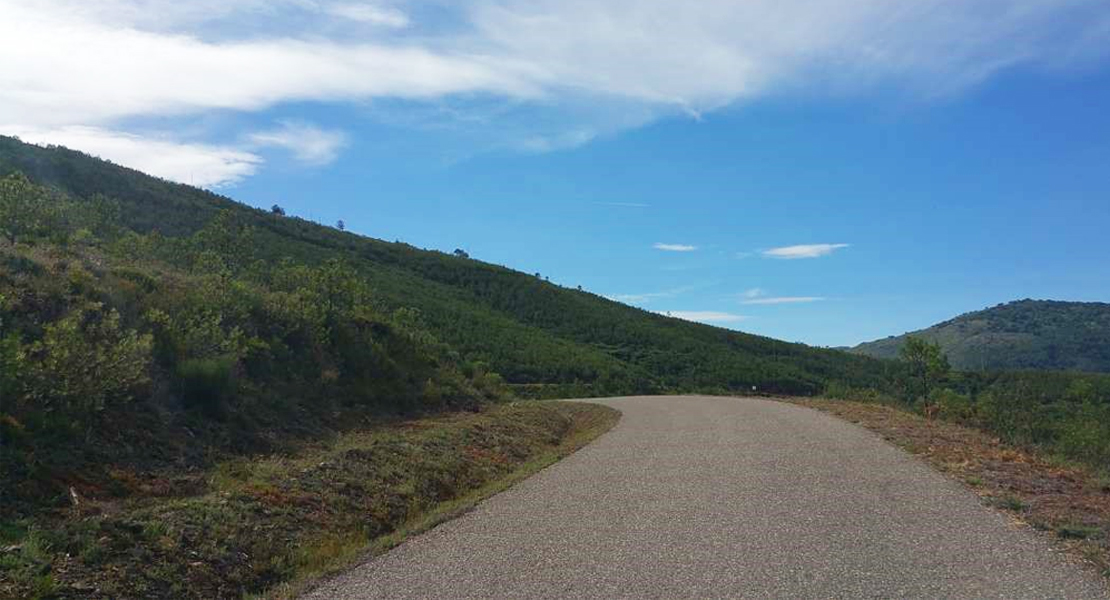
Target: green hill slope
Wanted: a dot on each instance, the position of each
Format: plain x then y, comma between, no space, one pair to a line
540,337
1026,334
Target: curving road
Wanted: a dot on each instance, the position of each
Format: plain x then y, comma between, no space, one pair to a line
725,497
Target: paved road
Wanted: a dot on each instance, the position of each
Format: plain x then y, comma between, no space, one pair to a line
719,497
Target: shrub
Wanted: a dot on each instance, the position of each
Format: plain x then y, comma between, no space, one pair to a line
1015,413
1085,435
207,383
952,405
9,366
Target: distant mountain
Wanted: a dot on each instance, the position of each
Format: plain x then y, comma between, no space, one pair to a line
1026,334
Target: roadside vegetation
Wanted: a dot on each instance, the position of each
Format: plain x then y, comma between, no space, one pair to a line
1061,414
267,525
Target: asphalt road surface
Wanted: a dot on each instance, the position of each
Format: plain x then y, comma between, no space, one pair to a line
726,497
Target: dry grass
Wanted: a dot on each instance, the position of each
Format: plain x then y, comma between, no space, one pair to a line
267,526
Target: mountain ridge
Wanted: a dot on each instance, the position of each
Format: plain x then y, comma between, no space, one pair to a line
1018,335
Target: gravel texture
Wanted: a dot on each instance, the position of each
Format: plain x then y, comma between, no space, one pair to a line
726,497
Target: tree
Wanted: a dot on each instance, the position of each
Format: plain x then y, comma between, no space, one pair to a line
24,207
928,363
459,252
229,240
87,360
340,225
9,358
277,210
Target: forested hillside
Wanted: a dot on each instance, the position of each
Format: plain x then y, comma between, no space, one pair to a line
1027,334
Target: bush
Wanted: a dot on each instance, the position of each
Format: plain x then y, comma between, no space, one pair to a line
208,383
952,405
841,391
9,366
1086,434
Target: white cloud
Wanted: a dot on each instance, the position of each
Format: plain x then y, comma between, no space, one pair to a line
701,55
369,13
84,62
754,293
648,297
783,300
195,164
705,316
75,71
559,141
674,247
803,251
592,67
309,144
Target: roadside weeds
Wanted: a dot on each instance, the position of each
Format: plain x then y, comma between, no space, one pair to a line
268,526
589,425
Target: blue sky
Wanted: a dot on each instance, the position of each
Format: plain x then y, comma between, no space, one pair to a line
821,172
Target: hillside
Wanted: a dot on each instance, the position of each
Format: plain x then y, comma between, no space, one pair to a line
529,331
1026,334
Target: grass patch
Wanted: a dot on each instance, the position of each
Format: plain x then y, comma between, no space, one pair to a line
1009,502
1078,532
269,525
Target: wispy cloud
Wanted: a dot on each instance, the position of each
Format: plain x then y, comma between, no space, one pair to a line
783,300
674,247
754,293
202,165
369,13
587,67
648,297
308,143
803,251
705,316
559,141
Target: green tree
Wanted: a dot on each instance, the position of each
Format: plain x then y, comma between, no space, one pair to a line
24,207
86,360
9,360
927,363
229,237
